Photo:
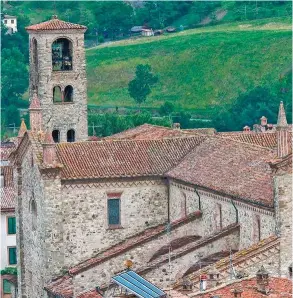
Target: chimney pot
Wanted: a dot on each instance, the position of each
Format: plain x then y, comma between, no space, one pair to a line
246,128
263,121
176,125
262,280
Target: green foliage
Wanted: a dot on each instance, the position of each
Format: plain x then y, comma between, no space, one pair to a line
9,270
108,124
12,115
140,87
166,109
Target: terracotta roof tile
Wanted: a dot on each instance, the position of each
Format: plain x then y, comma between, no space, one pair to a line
230,167
123,158
153,132
278,287
62,286
7,172
90,294
5,149
264,139
55,24
7,199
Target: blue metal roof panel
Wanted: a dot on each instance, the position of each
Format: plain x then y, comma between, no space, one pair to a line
137,285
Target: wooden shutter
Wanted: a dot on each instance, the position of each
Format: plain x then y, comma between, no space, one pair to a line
114,211
11,225
12,256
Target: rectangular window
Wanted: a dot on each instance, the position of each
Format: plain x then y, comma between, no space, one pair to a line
114,212
11,223
12,21
6,287
12,256
5,21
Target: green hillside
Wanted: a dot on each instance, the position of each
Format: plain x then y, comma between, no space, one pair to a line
198,68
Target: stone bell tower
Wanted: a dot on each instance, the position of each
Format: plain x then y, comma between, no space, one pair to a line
58,78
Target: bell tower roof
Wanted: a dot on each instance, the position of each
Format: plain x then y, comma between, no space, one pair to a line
282,121
55,24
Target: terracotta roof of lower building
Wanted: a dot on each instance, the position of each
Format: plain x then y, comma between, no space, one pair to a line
7,199
90,294
63,287
123,158
230,167
277,288
5,149
264,139
154,132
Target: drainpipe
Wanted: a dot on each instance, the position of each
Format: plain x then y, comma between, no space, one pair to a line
168,197
199,200
236,210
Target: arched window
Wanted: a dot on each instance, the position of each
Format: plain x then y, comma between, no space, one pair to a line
62,55
70,135
256,229
68,94
183,205
33,210
57,94
35,53
56,135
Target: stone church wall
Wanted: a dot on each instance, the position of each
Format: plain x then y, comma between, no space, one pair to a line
143,205
219,212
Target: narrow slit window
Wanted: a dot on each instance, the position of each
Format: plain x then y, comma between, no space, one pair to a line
114,212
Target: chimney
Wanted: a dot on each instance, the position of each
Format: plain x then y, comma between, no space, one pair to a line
176,125
237,293
35,113
263,121
213,278
246,128
262,280
49,150
186,284
282,133
203,282
21,131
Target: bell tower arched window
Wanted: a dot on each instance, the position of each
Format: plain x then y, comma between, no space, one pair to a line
57,94
56,135
62,55
70,135
68,94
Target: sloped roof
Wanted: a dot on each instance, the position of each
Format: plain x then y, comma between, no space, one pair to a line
55,24
7,199
150,132
5,149
229,167
278,287
7,172
123,158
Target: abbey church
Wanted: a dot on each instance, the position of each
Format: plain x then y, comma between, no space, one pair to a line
177,203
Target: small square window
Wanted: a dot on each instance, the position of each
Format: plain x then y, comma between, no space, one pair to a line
12,21
114,212
11,223
12,260
5,21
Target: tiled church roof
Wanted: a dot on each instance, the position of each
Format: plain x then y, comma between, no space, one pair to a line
229,167
123,158
55,24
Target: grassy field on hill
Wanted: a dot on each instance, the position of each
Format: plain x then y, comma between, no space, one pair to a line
198,69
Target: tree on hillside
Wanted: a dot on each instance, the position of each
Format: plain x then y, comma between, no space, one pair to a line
140,87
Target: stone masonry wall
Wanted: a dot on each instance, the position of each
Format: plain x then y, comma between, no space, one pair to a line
218,212
86,230
37,241
68,115
283,201
140,255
